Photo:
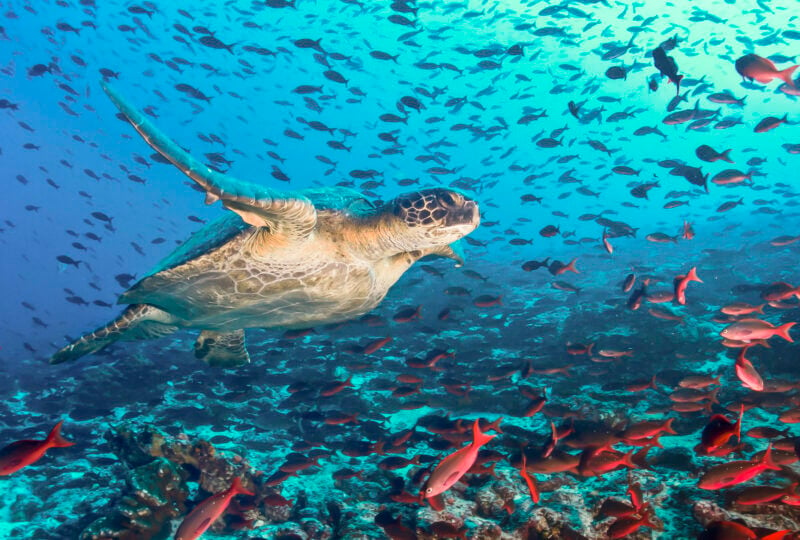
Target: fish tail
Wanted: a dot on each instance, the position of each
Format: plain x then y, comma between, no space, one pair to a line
478,437
55,439
128,326
783,331
692,275
786,75
238,489
725,157
571,266
627,460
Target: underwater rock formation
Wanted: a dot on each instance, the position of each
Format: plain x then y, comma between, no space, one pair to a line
161,468
157,493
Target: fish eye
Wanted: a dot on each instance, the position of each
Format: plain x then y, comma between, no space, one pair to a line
428,489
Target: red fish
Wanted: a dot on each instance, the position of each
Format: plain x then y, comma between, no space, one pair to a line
206,513
452,468
23,453
747,373
730,530
719,430
627,285
747,330
644,430
740,308
681,282
688,231
528,480
735,472
486,300
752,66
373,346
606,244
335,387
579,348
780,291
624,526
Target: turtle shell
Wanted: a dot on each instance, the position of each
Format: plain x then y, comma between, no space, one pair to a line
219,231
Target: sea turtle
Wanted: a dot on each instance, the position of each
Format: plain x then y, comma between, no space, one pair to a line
282,259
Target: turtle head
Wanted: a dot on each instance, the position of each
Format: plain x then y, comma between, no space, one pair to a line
435,217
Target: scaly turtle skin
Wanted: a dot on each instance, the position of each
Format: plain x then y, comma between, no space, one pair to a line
282,259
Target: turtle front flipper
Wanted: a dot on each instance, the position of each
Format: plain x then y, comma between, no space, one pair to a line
222,349
283,214
454,251
138,321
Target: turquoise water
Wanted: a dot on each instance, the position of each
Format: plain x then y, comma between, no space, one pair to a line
469,96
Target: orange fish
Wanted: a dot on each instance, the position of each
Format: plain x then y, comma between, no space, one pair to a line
22,453
452,468
207,512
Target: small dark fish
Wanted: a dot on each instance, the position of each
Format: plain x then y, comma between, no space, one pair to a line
706,153
214,43
530,266
667,66
334,76
616,73
66,259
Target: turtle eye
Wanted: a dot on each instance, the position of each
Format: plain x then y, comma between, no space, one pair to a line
447,199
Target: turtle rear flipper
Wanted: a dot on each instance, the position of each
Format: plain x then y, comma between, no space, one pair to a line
222,349
138,321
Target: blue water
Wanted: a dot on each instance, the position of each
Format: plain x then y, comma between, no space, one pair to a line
65,155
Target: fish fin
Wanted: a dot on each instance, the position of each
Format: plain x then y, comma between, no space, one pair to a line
767,461
778,535
55,439
786,75
739,424
222,349
571,266
436,502
725,157
478,437
238,489
138,321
